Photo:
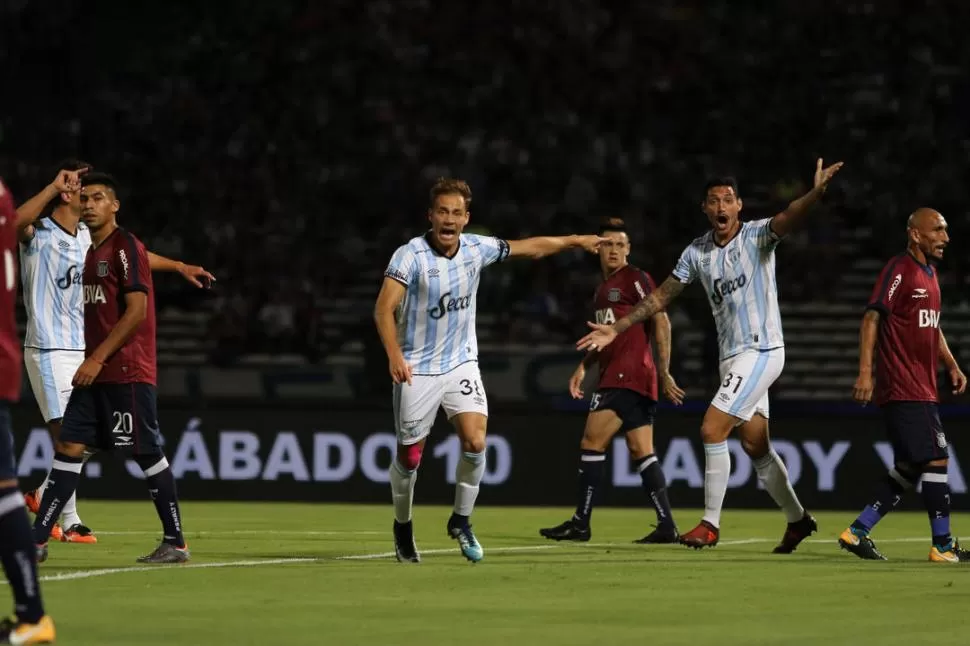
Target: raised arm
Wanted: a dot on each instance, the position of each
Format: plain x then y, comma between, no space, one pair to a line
957,378
786,221
388,300
868,335
603,335
543,246
67,181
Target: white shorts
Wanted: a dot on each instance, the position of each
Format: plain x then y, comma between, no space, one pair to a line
745,379
416,406
50,373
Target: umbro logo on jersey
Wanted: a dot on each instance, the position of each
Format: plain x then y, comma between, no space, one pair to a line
433,271
920,293
63,244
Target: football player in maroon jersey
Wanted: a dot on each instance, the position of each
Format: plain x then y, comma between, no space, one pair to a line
901,328
626,396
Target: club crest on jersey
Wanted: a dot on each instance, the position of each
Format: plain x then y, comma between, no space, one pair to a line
614,295
734,255
102,268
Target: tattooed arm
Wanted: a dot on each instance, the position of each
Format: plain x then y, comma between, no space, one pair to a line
657,301
603,335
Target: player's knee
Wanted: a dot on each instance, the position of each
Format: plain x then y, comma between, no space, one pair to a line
473,444
409,456
592,442
70,449
713,432
152,464
756,447
640,442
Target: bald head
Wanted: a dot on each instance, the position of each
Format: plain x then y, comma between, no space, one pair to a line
927,234
922,218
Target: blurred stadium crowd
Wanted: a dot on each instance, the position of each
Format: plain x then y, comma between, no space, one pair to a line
288,146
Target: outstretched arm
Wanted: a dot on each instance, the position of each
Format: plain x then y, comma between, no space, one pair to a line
657,301
192,273
543,246
786,221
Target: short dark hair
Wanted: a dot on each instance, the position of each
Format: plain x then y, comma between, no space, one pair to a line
73,164
612,224
721,180
90,179
452,186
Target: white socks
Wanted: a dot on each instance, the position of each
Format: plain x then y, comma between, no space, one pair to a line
774,476
468,477
402,490
717,470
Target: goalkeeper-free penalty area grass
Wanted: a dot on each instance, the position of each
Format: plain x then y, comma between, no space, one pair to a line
264,573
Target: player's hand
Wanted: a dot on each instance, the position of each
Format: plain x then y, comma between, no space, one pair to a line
87,373
400,370
824,175
68,181
862,391
590,243
959,380
576,382
672,391
599,338
196,275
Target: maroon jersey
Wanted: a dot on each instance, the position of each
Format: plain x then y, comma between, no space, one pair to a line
115,267
10,356
907,295
627,362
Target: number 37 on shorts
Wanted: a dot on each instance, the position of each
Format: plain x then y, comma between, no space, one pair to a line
416,406
745,379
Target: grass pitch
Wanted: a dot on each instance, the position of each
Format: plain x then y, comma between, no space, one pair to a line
323,574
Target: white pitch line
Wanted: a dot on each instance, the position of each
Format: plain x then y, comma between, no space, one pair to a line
86,574
250,532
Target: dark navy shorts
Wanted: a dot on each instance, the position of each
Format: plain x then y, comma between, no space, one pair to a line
915,431
8,462
634,409
114,416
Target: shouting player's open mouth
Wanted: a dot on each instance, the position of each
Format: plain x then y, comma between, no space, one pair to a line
448,234
721,221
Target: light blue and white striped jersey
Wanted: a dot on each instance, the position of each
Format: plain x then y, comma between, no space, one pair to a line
436,319
740,282
51,265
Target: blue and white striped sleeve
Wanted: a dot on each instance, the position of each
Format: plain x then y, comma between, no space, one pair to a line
761,232
491,249
402,266
686,269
